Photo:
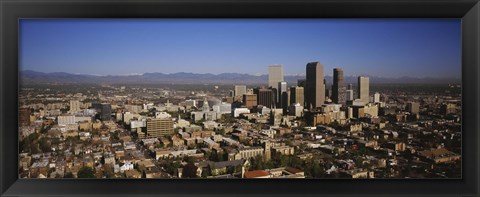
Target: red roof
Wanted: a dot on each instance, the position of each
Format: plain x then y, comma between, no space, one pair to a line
256,173
293,170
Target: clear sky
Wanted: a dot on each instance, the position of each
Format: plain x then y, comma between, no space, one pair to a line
375,47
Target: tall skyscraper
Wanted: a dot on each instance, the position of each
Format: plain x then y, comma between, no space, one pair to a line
314,86
240,90
275,75
297,95
364,89
338,88
282,89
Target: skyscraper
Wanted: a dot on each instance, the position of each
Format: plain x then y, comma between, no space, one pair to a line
314,86
240,90
364,89
296,95
338,88
275,75
282,89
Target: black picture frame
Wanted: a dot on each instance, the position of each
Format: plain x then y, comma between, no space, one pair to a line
12,10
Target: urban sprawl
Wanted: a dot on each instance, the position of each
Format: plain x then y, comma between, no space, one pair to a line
303,130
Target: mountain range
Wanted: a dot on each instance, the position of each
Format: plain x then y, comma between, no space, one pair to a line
34,77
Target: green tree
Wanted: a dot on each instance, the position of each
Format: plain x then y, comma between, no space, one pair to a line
69,175
85,172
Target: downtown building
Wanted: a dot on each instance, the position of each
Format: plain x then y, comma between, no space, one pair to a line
297,95
314,86
364,89
265,97
275,76
338,87
240,90
159,127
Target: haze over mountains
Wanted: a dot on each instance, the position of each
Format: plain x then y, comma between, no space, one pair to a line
28,77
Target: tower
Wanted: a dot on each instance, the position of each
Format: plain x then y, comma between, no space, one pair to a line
338,88
364,89
314,86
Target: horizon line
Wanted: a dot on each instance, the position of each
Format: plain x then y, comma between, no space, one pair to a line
257,75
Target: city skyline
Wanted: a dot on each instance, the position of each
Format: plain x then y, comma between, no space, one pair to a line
419,48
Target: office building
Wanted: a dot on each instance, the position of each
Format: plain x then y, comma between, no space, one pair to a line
296,110
250,100
413,107
349,95
314,86
159,127
376,97
364,89
74,106
275,75
104,111
265,97
240,90
297,95
350,86
338,88
283,95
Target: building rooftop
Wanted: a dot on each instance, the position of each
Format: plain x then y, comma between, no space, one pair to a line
256,173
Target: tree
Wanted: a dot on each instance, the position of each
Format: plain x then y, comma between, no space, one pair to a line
69,175
189,171
86,172
206,172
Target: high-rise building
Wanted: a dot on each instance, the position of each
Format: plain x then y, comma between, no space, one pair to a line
264,96
250,100
159,127
282,95
350,86
104,110
349,95
376,97
275,75
297,95
413,107
74,106
240,90
338,88
314,86
364,89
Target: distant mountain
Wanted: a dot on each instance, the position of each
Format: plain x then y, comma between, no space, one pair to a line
34,77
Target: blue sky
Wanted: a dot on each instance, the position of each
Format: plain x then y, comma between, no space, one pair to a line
375,47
